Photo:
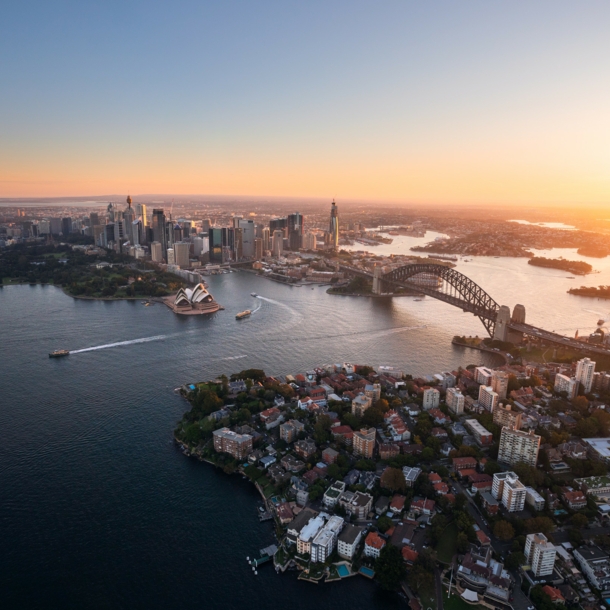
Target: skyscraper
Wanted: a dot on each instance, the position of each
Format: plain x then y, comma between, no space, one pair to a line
215,238
181,254
128,218
66,225
517,446
248,236
295,231
141,213
158,227
334,226
266,237
278,243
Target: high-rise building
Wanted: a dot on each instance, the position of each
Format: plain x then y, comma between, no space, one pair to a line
517,446
215,239
507,488
55,224
258,248
266,237
505,416
431,399
566,384
499,383
248,237
197,246
44,227
94,219
540,554
156,252
141,213
364,442
277,223
158,228
488,399
171,256
333,228
128,218
483,375
66,225
455,401
584,373
181,254
295,231
278,243
309,241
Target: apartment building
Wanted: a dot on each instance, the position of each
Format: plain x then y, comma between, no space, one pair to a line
534,499
290,430
455,401
364,442
499,383
325,540
483,375
540,554
585,369
482,436
505,416
517,446
509,490
360,404
566,384
227,441
348,541
595,564
431,399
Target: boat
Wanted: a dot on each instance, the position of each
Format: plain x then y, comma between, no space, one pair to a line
59,353
418,299
571,277
253,294
243,314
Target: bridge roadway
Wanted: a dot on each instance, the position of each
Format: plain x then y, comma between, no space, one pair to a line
488,316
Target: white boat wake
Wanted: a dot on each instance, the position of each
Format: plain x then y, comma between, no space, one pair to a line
119,344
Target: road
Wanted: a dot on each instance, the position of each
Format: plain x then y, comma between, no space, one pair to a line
520,600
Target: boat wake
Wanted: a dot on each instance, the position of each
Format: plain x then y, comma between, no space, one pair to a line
119,344
234,357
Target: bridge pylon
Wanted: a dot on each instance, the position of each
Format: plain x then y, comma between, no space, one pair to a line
502,321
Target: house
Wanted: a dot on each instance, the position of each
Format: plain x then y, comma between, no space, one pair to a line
267,461
382,505
441,488
356,503
373,545
482,537
439,433
298,523
305,448
310,477
277,474
318,395
332,494
388,450
284,513
397,504
411,475
268,413
291,464
575,499
330,455
439,417
304,403
554,594
409,555
434,478
490,504
403,533
423,506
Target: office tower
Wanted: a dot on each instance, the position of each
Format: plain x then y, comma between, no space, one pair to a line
310,241
215,239
295,231
258,230
278,243
584,373
171,256
455,401
277,223
333,229
181,254
156,252
364,442
158,229
258,248
266,239
44,227
177,233
128,217
540,554
141,213
517,446
488,399
98,235
205,225
499,383
236,220
238,244
94,219
197,246
55,225
566,384
248,237
505,416
136,232
66,225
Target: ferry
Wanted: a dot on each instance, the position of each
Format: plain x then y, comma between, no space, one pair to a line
59,353
243,314
253,294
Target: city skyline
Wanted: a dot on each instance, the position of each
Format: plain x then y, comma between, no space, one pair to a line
409,103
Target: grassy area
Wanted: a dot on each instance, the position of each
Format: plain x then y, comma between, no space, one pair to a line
447,545
455,602
428,598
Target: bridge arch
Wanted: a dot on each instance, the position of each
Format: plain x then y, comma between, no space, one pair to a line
448,285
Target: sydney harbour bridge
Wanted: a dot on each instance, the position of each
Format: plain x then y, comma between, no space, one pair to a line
446,284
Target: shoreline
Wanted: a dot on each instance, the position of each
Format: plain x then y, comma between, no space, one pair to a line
489,350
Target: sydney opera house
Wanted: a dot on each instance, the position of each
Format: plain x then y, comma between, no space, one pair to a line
192,301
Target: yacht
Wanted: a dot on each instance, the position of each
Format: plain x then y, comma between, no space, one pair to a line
59,353
243,314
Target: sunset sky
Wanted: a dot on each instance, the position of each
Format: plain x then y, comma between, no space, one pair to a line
449,102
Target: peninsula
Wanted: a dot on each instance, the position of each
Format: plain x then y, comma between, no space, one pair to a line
599,292
575,267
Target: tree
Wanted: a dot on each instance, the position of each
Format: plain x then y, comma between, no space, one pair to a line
515,560
529,475
334,472
372,417
382,405
579,521
390,568
491,467
539,524
393,479
504,530
384,524
462,543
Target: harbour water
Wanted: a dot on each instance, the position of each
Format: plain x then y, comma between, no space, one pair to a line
98,509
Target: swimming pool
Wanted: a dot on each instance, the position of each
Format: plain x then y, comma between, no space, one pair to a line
366,572
343,571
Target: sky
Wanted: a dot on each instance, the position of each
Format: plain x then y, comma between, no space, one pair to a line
480,102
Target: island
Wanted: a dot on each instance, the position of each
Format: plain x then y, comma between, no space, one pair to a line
600,292
575,267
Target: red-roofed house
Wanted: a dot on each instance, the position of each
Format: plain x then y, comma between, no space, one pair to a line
439,417
318,395
397,505
409,554
267,413
464,463
575,499
423,507
373,545
441,488
434,478
467,472
343,434
388,450
554,594
483,538
439,433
